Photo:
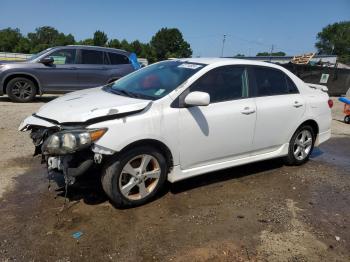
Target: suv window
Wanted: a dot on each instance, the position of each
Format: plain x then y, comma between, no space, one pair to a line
91,57
118,59
223,83
63,57
271,81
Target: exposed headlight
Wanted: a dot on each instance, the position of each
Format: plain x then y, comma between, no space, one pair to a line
70,141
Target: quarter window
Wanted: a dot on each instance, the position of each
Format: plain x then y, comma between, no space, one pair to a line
223,83
91,57
270,82
63,57
118,59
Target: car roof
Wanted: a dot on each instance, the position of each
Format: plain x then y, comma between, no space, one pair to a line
96,47
227,61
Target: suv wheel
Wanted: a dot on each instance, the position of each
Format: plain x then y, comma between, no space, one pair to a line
134,177
21,90
301,145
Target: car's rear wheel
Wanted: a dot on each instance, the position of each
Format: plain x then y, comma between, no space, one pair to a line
21,90
301,146
134,177
347,119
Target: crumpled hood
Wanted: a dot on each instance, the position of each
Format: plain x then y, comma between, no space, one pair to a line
87,104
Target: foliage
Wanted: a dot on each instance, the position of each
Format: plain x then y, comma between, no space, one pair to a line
100,38
9,38
271,54
335,39
164,44
169,42
239,55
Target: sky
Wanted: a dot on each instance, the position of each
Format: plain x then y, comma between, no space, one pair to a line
250,26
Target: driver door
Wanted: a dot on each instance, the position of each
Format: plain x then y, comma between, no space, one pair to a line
224,129
62,74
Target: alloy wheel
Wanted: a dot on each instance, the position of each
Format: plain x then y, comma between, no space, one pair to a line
139,177
302,144
22,90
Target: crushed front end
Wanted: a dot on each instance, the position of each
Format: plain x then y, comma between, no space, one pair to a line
68,149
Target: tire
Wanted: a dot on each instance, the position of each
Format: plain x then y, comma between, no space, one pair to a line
347,119
116,176
296,157
21,89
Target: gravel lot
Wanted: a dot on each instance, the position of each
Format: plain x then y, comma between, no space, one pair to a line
260,212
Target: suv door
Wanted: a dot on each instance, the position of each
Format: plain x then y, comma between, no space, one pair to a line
92,71
62,74
119,65
279,108
224,129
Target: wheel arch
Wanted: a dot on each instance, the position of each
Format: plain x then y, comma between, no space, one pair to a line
8,78
164,149
310,122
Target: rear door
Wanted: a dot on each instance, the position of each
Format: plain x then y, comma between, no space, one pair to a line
279,108
62,74
92,69
119,65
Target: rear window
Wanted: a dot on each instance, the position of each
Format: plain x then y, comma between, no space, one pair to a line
270,82
91,57
118,59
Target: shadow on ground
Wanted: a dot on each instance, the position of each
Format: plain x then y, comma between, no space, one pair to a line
38,99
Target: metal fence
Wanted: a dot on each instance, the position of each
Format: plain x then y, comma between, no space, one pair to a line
4,56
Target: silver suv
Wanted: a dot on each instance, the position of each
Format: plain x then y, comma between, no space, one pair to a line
64,69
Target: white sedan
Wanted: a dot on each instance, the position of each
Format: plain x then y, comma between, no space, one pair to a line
180,118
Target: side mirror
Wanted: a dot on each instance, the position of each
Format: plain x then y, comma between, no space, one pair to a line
197,98
48,60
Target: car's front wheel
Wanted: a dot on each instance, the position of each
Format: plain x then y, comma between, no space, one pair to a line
301,146
21,90
133,178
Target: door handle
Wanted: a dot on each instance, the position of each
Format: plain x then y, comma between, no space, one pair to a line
73,68
248,111
297,104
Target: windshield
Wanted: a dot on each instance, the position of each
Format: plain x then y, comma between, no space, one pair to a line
155,81
38,54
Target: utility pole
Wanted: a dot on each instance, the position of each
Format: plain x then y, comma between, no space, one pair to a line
271,53
223,45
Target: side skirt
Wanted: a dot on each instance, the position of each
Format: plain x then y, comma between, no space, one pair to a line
178,174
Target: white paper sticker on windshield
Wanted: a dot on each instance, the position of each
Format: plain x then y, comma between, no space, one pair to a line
189,66
159,92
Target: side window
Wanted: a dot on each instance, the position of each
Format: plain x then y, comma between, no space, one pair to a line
63,57
270,82
118,59
91,57
223,83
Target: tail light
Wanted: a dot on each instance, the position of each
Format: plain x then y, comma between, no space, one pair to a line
330,103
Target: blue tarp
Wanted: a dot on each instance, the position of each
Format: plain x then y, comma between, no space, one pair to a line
134,62
344,100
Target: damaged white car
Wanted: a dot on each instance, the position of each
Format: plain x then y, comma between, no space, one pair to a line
177,119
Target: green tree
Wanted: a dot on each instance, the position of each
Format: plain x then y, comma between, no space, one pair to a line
136,47
23,46
87,41
335,39
9,38
125,45
169,42
114,43
239,55
271,54
47,36
100,38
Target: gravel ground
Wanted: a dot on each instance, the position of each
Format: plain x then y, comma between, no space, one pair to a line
260,212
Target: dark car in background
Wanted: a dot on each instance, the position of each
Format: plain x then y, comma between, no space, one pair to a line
64,69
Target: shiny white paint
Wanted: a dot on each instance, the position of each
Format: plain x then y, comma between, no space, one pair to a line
201,139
